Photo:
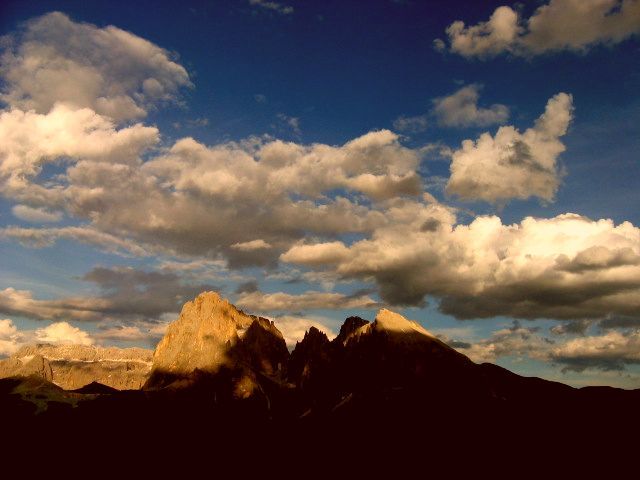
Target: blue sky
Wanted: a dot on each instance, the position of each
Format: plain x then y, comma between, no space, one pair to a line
372,101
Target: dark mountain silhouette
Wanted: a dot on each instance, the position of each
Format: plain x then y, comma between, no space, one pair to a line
228,375
96,388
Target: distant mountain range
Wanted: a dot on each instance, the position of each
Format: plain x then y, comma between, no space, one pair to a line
217,365
74,366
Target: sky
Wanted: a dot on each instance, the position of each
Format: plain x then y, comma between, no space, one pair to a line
473,166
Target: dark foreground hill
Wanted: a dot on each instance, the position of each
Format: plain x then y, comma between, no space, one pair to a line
224,378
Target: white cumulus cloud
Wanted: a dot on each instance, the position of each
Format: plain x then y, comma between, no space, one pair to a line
511,164
574,25
113,72
62,333
35,215
461,109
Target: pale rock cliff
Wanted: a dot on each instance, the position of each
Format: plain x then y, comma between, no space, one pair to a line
212,334
74,366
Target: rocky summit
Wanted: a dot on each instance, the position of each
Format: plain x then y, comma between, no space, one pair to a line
212,336
201,336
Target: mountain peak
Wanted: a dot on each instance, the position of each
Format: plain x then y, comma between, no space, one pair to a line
349,328
394,322
199,338
212,333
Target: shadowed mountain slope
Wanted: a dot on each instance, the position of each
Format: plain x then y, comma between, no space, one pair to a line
219,368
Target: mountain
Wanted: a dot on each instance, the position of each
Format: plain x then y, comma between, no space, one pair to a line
220,369
215,348
374,367
26,365
74,366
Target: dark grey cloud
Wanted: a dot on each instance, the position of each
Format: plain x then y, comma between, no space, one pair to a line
612,351
619,321
430,225
598,258
573,327
125,295
542,297
247,287
129,292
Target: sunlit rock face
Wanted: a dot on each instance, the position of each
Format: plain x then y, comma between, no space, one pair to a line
17,366
208,327
212,335
74,366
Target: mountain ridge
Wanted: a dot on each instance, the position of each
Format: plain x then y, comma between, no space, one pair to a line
73,366
219,364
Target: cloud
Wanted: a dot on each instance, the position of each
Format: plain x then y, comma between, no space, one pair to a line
30,140
147,332
126,295
188,200
294,328
22,303
513,165
486,268
291,122
316,254
35,215
113,72
611,351
574,25
485,39
198,122
62,333
461,109
141,294
195,200
515,341
247,287
416,124
356,211
574,327
257,301
619,321
10,338
43,237
250,246
439,45
272,6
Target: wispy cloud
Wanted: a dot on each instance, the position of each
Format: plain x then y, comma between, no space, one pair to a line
272,6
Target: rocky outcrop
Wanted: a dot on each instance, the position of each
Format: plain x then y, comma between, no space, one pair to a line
263,348
201,338
350,326
311,370
390,360
212,337
312,354
74,366
24,366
